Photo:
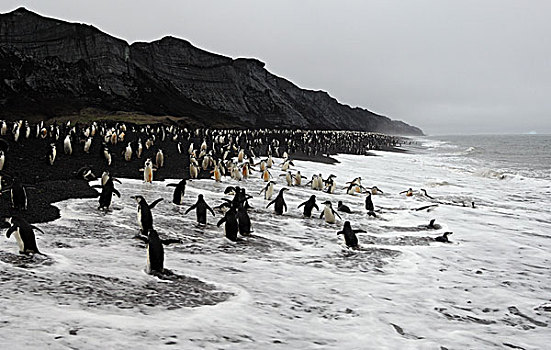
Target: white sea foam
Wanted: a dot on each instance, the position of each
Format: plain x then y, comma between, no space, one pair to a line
295,285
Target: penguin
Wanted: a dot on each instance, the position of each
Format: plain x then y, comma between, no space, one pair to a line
231,226
67,148
268,190
308,206
2,160
408,192
350,235
107,155
18,195
87,145
107,191
266,175
128,152
279,202
155,251
330,184
85,173
433,226
344,208
201,210
160,159
288,178
217,174
52,154
286,165
145,218
376,190
148,171
24,234
193,171
329,213
244,220
298,178
369,203
443,238
179,191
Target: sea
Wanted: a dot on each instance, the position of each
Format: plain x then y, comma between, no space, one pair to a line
294,284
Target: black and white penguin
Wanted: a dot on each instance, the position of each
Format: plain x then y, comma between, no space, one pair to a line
443,238
18,195
52,154
155,251
231,226
145,218
279,202
201,210
350,235
85,173
244,220
408,192
329,213
107,191
268,190
179,191
343,207
24,234
369,204
433,226
308,206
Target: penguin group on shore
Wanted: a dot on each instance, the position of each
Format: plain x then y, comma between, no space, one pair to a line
220,154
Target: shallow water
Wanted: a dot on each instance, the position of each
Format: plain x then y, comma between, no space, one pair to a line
293,284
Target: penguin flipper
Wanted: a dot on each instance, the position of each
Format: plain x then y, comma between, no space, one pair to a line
334,212
171,185
221,221
10,231
97,186
359,231
272,202
117,193
38,229
119,181
170,240
155,202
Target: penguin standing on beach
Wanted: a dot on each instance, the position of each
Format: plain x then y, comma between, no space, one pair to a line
343,207
369,205
308,206
201,210
24,234
145,218
350,235
279,202
179,191
244,220
268,190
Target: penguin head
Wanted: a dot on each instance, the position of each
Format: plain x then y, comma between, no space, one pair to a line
446,234
339,204
200,197
328,203
138,199
313,197
347,225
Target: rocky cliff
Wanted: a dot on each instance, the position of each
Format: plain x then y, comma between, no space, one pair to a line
51,68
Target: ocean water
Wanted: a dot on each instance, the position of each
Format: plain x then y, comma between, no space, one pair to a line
294,284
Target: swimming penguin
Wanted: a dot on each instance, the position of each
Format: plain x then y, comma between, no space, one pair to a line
376,190
107,191
279,202
443,238
268,190
148,171
201,210
155,251
308,206
350,235
179,191
145,218
231,226
433,226
344,208
24,234
408,192
329,213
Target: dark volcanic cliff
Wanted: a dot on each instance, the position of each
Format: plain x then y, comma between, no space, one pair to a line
51,68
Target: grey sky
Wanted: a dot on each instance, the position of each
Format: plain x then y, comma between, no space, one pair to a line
461,66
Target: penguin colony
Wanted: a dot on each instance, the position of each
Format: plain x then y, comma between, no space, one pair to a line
226,155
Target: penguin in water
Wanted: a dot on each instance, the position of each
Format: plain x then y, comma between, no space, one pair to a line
201,210
24,234
343,207
107,191
279,202
179,191
433,226
155,251
145,218
268,190
231,226
444,237
350,235
376,190
329,213
308,206
369,205
408,192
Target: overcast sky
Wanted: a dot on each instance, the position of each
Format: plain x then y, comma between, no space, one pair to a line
447,67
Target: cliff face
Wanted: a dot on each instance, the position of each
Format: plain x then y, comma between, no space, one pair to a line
52,68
